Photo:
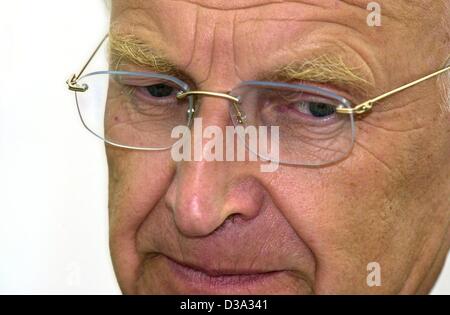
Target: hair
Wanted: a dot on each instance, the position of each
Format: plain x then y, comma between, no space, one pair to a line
446,78
444,85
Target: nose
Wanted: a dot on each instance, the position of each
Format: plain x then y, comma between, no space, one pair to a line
203,195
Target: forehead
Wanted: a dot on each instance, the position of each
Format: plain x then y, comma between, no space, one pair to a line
180,12
190,31
205,37
181,19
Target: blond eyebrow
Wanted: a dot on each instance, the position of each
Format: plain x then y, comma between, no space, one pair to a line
327,69
127,49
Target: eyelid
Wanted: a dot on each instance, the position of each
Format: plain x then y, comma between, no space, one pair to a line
311,98
296,96
146,81
330,88
146,97
142,69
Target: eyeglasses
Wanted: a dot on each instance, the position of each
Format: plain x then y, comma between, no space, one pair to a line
139,110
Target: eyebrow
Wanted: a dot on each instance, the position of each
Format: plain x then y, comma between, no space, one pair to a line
127,49
325,69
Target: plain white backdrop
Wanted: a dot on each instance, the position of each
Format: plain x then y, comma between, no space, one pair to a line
53,175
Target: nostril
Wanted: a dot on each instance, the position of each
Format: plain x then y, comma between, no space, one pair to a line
232,219
197,226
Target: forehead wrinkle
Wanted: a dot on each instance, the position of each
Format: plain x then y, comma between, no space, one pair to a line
326,61
216,65
202,49
233,39
152,27
191,57
211,60
226,5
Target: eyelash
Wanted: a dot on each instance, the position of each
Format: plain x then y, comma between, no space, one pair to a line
346,93
145,95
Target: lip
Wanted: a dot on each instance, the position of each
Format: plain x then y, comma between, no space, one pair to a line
218,272
203,280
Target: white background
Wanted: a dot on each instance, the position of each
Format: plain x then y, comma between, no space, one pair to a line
53,178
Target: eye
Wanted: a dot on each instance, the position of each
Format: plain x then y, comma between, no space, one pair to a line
159,90
316,109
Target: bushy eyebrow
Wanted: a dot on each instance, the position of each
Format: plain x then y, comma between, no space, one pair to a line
127,49
326,69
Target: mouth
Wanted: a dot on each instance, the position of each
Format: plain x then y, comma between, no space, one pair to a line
190,278
221,276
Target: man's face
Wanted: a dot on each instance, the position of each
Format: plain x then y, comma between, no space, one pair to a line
226,227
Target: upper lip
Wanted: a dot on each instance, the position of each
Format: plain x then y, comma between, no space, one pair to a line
217,272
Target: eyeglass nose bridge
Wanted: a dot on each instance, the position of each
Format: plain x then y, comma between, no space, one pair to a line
234,101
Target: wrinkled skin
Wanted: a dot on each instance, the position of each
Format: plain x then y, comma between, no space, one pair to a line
388,202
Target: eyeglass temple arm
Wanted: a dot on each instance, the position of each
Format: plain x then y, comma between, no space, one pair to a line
72,83
362,108
366,106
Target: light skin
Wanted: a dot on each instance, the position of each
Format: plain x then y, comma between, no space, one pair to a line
225,227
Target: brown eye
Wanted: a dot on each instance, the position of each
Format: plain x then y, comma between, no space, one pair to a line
160,90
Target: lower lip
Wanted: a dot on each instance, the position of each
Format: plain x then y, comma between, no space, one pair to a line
197,281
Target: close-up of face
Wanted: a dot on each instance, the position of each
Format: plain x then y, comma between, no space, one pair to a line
226,227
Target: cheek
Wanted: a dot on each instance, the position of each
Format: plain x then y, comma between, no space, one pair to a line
137,177
343,216
369,208
137,180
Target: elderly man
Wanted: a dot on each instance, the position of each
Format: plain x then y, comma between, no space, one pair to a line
359,202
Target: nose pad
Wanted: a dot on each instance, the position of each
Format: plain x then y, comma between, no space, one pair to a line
237,114
192,110
202,194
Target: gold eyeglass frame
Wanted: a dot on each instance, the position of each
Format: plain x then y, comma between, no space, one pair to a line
73,85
